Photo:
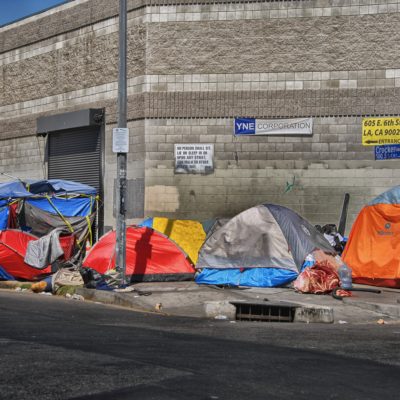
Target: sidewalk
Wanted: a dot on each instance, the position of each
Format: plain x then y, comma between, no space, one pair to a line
191,300
187,299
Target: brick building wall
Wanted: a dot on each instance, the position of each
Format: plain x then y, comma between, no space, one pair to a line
192,68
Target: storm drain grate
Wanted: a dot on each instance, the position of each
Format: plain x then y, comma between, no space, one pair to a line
266,312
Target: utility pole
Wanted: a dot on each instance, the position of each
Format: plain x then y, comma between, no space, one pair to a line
121,136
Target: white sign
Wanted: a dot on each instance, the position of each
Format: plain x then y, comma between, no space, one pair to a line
194,158
120,140
283,127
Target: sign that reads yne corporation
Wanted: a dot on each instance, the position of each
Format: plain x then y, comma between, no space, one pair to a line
380,131
276,127
194,158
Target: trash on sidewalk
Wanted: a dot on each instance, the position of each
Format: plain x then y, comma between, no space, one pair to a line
331,234
381,321
39,287
74,297
158,307
66,277
221,317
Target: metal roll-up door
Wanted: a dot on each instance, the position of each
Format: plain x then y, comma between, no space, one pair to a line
75,155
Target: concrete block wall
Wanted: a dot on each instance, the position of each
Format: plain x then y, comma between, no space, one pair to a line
22,158
310,175
191,69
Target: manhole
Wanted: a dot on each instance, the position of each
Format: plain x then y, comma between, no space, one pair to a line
265,312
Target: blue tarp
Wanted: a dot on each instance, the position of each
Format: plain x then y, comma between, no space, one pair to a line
147,222
72,207
5,276
13,190
254,277
391,196
60,186
3,215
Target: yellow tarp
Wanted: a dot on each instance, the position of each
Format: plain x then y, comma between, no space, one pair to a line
188,234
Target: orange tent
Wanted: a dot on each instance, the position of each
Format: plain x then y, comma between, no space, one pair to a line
373,248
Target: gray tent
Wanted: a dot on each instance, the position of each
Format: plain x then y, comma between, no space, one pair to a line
265,245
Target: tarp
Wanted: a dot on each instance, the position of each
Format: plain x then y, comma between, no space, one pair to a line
373,248
4,212
188,234
68,207
60,186
267,237
150,256
252,277
12,190
13,245
40,222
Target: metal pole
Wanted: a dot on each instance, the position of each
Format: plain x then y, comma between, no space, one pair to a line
120,248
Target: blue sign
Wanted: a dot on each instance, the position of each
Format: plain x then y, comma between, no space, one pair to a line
245,126
387,152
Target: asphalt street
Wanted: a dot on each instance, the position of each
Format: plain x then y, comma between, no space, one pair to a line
54,348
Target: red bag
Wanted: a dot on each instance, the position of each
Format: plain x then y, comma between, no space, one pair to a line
320,278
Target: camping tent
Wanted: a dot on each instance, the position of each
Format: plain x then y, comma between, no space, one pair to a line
263,246
150,256
373,247
13,246
188,234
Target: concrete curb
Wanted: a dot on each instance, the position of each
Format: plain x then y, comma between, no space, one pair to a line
391,310
312,314
113,298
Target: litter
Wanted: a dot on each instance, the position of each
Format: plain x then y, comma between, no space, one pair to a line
74,297
221,317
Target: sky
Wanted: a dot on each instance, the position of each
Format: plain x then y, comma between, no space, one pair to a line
11,10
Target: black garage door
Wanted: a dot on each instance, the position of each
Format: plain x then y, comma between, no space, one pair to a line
75,155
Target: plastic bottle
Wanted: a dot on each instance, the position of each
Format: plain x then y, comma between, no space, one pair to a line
345,277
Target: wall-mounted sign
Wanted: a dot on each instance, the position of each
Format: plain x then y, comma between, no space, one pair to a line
276,127
120,140
387,152
380,131
194,158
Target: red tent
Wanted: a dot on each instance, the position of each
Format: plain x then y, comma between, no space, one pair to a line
150,256
13,245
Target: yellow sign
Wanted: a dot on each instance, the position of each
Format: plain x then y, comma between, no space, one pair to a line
380,131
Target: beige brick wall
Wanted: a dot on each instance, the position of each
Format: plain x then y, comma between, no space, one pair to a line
23,158
254,170
191,69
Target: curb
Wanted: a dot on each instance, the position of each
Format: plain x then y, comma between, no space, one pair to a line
112,298
305,313
391,310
